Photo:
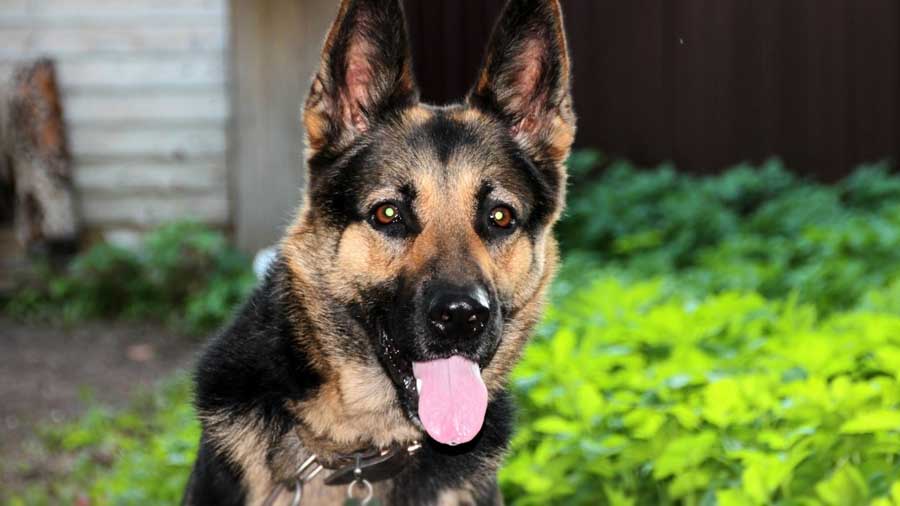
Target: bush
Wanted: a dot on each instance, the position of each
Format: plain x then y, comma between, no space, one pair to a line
762,230
184,273
633,394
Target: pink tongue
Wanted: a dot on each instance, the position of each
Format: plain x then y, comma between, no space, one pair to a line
452,399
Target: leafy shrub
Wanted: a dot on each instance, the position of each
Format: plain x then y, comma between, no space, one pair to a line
635,395
184,273
747,229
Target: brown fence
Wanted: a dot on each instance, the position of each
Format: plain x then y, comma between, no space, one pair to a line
706,83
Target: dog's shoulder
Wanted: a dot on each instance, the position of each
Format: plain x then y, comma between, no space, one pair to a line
213,480
244,380
255,361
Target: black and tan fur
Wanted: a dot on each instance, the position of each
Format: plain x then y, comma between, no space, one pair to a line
318,360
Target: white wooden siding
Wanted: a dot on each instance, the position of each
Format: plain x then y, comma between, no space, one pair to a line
145,98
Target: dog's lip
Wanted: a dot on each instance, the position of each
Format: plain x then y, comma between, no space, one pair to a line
399,368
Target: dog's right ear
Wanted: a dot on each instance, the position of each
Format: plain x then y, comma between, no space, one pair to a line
366,71
525,79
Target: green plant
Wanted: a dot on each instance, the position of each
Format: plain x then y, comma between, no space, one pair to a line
137,456
184,274
634,394
746,229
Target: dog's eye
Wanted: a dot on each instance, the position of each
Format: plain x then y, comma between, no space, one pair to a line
502,216
385,214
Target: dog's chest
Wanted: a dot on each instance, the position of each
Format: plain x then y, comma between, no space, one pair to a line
317,493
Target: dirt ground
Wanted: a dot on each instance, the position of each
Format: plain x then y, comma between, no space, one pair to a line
47,372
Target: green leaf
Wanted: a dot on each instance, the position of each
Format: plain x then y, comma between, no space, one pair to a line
688,483
644,423
616,497
684,453
734,497
555,425
845,487
872,421
763,473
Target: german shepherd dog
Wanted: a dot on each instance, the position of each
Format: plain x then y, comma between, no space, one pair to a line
403,292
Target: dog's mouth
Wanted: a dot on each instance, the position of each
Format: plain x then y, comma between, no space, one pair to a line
445,396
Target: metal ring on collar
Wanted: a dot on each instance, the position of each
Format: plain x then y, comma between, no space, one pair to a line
366,484
298,493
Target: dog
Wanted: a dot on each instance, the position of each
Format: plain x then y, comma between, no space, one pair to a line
372,360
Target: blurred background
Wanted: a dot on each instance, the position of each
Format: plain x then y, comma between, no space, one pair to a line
726,326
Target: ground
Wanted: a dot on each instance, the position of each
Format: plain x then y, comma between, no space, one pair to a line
49,374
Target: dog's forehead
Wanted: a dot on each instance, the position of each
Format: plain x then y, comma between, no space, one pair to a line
447,147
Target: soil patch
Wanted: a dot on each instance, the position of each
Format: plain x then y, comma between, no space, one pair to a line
50,374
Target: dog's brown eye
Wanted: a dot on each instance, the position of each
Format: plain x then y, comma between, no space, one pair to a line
501,216
387,214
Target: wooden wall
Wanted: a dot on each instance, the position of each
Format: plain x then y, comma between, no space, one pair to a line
149,88
276,50
705,83
145,97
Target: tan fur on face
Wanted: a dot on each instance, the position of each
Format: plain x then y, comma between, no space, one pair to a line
363,259
518,267
518,330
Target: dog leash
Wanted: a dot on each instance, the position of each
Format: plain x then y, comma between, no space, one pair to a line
359,471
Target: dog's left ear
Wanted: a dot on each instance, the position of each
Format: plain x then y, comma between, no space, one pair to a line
366,71
525,79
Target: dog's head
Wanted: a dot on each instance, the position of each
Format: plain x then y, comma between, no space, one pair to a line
426,231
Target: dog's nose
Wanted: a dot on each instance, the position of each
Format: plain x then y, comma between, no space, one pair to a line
459,314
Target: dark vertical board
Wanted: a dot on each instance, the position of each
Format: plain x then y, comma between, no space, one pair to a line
448,38
625,48
872,66
704,136
827,86
754,80
705,83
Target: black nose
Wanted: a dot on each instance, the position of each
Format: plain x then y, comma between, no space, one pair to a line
459,314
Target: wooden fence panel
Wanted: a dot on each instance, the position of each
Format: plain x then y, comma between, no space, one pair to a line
705,83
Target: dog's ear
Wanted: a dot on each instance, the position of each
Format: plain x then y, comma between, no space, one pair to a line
525,79
366,71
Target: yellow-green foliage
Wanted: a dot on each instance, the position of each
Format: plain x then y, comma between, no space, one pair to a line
636,395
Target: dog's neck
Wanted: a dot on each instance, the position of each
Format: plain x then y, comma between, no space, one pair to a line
356,407
345,417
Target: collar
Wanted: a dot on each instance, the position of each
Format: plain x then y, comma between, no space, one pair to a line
374,465
368,466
